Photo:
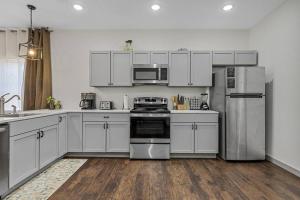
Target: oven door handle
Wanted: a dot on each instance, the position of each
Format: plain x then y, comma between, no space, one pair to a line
164,115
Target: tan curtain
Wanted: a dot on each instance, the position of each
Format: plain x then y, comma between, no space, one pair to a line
38,77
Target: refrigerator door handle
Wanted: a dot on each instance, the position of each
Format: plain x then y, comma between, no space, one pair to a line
246,95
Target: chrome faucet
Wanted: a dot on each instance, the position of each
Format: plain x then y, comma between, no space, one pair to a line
2,102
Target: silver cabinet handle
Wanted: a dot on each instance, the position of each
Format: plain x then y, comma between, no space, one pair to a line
106,117
107,127
42,134
196,127
38,135
104,126
60,119
192,126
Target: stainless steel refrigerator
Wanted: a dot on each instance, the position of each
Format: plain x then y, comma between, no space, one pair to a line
238,93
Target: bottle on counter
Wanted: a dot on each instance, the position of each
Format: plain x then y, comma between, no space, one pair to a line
125,102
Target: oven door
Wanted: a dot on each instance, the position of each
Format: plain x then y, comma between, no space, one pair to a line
150,128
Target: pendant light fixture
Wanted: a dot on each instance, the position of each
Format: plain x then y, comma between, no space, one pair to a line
29,50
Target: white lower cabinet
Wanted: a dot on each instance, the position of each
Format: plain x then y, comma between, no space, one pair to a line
74,132
62,135
48,145
206,138
24,156
106,137
194,133
94,136
32,151
182,138
118,137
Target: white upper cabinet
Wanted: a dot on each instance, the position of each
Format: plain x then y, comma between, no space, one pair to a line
201,68
160,57
246,58
100,68
179,68
223,58
121,64
141,57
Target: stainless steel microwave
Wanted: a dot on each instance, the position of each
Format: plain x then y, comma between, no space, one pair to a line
150,74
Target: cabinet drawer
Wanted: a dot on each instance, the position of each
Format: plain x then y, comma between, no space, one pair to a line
27,125
207,118
94,117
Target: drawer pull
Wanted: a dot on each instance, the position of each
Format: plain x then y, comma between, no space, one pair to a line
106,117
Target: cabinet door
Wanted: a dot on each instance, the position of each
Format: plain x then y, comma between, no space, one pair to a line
179,69
24,156
62,135
160,57
223,58
94,136
48,145
118,137
74,132
206,138
201,68
182,138
245,57
121,64
100,68
141,57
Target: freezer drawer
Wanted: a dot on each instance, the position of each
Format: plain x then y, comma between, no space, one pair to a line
245,128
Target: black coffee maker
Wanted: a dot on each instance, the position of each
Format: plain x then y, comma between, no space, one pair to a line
88,101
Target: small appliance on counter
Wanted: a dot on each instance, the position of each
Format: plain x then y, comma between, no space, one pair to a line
106,105
88,101
204,104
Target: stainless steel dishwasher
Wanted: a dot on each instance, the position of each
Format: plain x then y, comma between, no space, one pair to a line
4,158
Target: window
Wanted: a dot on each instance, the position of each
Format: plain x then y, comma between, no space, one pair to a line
11,80
11,66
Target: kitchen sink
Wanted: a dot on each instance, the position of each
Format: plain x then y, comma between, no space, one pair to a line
18,115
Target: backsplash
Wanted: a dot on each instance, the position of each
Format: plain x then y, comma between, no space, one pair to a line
116,94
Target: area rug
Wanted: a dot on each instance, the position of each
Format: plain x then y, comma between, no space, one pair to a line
45,184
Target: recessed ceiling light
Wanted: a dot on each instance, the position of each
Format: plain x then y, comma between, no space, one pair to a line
77,7
227,7
155,7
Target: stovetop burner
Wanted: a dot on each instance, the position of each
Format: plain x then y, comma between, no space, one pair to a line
150,110
150,105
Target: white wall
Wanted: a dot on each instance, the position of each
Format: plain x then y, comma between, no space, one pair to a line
70,58
277,38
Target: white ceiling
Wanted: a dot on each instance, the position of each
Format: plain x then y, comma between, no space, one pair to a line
137,14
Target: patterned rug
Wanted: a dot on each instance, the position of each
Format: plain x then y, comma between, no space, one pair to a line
45,184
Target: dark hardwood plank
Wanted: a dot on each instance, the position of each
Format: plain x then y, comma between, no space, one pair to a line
178,179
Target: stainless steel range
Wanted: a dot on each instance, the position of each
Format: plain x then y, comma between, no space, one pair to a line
150,128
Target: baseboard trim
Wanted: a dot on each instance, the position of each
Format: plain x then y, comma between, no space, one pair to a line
193,155
283,165
97,155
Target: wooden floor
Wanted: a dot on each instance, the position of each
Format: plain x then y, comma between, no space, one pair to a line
178,179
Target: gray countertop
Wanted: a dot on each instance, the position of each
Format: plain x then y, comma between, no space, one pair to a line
45,112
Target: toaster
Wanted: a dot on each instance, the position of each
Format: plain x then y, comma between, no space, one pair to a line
106,105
